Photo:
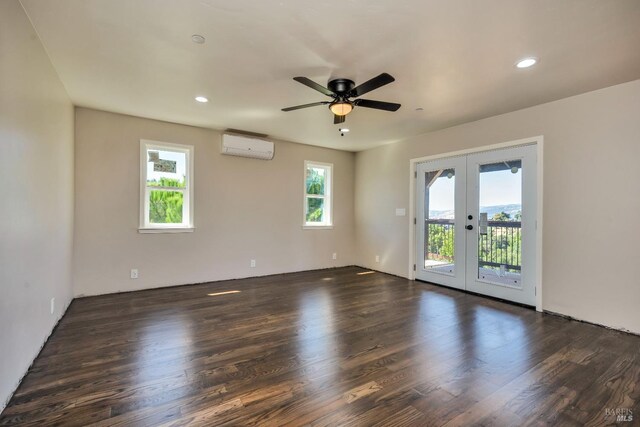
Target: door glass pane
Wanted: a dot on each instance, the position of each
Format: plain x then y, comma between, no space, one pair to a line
439,211
499,224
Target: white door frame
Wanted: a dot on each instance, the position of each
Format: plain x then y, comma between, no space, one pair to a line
538,141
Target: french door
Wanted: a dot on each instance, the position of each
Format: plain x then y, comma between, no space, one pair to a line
476,223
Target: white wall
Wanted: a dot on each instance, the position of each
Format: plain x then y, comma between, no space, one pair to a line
244,209
36,210
591,199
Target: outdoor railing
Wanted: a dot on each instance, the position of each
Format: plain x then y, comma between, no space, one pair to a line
500,247
439,243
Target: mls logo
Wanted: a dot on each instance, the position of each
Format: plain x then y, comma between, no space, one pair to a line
621,414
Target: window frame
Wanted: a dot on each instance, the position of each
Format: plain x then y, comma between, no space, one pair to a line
187,193
328,196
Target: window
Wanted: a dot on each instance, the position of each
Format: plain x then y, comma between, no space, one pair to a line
317,195
166,187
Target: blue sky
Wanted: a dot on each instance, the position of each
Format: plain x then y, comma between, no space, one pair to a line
496,188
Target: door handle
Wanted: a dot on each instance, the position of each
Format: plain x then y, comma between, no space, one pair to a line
469,227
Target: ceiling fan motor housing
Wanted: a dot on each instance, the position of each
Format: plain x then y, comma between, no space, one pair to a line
341,86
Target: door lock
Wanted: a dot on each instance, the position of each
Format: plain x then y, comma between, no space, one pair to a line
470,217
469,227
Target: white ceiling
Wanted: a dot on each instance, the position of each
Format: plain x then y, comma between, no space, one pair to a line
454,58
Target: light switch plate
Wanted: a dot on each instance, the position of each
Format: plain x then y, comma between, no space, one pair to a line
401,211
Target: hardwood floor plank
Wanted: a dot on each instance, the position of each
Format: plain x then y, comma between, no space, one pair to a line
361,391
322,348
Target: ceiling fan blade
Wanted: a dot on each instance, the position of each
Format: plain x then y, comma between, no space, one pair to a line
378,105
338,119
313,85
374,83
313,104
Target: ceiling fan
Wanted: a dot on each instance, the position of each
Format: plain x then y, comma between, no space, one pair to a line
341,90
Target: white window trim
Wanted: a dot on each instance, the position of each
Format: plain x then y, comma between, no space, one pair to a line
328,196
188,202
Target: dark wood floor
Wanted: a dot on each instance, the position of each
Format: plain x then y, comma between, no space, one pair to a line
334,347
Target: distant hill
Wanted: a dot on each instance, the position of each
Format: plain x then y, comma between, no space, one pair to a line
490,210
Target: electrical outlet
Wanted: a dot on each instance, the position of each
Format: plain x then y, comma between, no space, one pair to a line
134,273
377,258
253,263
335,255
53,305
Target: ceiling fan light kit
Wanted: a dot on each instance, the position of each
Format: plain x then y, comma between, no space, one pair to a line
341,90
341,108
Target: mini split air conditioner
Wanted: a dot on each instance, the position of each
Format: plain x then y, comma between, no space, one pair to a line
245,146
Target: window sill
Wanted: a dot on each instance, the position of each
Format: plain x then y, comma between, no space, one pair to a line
166,230
317,227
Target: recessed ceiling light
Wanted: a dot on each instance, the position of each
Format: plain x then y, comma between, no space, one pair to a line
526,62
343,130
197,38
201,99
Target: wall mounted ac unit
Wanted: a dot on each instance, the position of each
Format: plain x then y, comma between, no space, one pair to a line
245,146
